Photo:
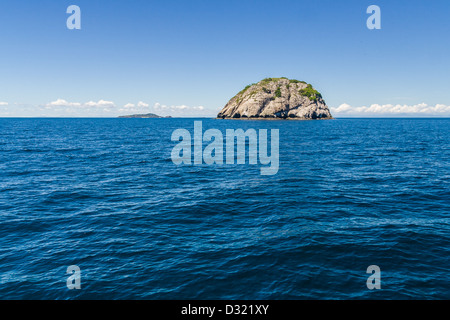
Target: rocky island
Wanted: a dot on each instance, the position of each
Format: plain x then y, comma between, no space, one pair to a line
277,98
146,115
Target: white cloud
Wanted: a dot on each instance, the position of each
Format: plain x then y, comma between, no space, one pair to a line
179,110
61,107
89,104
101,108
421,109
63,103
142,104
140,107
100,103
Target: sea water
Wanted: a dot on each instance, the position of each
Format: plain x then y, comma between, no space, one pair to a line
104,195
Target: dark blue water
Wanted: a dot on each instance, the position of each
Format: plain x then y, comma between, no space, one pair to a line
104,194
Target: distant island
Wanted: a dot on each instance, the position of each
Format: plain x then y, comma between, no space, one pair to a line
277,98
146,115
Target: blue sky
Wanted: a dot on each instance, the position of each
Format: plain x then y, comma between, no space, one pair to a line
190,57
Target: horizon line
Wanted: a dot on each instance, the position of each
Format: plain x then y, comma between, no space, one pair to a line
208,117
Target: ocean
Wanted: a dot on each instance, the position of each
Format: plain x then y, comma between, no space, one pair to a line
104,195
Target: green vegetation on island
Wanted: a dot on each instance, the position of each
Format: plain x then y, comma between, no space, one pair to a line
310,93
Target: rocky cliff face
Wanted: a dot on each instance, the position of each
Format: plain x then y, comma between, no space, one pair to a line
277,98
